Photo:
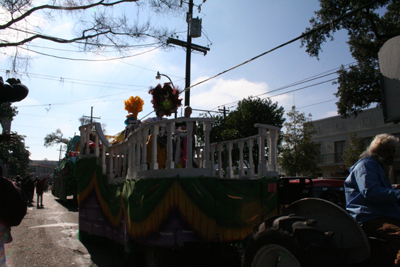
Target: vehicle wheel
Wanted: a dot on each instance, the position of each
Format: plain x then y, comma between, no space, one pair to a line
290,241
272,249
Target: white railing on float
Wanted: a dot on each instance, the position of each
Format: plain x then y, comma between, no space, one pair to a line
267,149
127,159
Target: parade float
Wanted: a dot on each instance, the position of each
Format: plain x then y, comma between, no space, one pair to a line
137,192
64,182
123,195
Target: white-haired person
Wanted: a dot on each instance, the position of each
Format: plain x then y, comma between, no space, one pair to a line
370,197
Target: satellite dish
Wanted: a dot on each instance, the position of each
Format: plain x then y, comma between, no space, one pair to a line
389,64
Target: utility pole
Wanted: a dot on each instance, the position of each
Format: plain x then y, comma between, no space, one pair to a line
188,54
189,46
59,158
91,116
224,110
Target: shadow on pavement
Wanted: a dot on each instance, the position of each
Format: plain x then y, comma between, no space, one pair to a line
104,252
70,204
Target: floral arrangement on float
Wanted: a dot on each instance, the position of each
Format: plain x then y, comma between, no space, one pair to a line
133,105
165,98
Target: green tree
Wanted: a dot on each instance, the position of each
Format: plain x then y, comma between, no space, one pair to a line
57,137
54,138
7,112
218,126
352,153
13,152
368,30
239,123
15,155
298,154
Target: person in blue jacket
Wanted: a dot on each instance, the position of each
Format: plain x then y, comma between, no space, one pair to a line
370,197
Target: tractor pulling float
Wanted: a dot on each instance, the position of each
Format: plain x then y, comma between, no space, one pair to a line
276,222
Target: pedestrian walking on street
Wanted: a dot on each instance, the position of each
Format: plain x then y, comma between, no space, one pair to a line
13,205
39,192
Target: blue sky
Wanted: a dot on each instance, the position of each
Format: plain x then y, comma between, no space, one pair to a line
61,91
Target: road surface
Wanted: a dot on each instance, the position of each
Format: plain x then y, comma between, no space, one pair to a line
49,237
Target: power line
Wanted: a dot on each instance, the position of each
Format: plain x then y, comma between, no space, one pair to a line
77,51
70,102
91,60
298,89
58,117
314,77
85,82
75,81
322,102
305,87
312,31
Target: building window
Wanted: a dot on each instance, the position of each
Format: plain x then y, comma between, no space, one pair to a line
339,149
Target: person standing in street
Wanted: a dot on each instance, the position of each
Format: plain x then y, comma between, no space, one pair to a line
39,192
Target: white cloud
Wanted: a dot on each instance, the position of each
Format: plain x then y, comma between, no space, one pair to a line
219,92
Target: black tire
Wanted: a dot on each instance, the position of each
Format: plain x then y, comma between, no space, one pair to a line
272,248
290,241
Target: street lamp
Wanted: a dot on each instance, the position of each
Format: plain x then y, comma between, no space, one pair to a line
158,77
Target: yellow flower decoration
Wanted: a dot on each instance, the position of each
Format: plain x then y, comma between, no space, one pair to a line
133,105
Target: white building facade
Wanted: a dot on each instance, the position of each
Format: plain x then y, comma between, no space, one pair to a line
333,136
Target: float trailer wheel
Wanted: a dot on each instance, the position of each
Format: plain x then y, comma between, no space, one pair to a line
290,241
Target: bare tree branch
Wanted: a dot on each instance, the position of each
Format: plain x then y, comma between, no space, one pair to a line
73,40
64,8
99,30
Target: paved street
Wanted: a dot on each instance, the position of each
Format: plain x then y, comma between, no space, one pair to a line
49,237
